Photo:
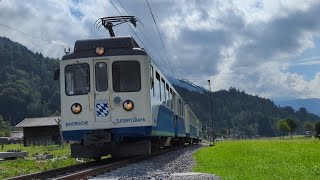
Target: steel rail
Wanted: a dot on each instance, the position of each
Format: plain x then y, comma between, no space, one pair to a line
89,169
62,170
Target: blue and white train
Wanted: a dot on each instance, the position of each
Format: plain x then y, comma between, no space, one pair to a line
115,100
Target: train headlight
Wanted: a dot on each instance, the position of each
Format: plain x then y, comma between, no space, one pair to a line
128,105
100,50
76,108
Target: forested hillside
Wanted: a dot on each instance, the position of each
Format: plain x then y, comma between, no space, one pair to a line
27,88
237,113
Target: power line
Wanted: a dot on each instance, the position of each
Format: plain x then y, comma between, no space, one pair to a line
138,37
168,65
161,39
31,35
147,40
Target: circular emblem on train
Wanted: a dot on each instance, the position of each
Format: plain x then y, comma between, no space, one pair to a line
117,100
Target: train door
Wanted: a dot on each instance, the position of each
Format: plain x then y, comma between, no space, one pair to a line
101,91
76,96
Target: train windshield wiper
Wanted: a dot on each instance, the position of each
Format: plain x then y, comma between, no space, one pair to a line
84,73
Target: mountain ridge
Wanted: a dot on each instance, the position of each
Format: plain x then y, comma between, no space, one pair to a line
311,104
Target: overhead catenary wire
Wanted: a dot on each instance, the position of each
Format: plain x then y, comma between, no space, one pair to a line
161,39
139,39
149,52
152,45
31,35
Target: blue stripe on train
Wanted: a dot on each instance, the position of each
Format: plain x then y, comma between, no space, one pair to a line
77,135
165,121
165,125
193,131
180,130
133,131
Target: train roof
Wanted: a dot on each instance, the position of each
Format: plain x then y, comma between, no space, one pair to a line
114,46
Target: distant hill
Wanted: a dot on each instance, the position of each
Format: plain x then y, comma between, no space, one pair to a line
27,88
184,83
312,105
239,114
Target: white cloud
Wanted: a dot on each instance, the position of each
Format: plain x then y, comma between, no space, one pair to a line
51,21
247,44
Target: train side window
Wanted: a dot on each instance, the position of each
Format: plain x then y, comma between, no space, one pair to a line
183,109
101,76
158,85
168,95
126,76
174,103
77,79
151,79
171,101
179,107
163,91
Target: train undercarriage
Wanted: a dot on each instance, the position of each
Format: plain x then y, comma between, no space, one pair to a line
97,147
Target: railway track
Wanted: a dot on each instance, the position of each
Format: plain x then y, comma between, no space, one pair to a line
87,170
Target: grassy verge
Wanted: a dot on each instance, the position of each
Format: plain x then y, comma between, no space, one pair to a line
17,167
261,159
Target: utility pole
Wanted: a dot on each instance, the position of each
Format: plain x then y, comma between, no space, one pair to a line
211,144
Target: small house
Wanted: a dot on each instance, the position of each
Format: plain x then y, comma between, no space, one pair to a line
40,131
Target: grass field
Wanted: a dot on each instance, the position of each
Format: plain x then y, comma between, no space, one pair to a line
261,159
17,167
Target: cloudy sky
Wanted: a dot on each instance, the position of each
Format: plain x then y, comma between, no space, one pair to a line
269,48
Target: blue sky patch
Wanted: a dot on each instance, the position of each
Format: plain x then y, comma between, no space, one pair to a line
76,13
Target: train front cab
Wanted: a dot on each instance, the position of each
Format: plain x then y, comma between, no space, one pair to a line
104,103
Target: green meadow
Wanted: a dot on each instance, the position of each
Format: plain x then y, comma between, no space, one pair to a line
261,159
20,166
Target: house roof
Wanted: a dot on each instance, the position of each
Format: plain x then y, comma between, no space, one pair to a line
37,122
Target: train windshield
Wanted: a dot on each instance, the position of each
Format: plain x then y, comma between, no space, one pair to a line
77,79
126,76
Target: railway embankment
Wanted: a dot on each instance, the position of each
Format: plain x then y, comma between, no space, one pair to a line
173,165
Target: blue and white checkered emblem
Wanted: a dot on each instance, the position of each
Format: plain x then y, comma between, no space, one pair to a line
102,109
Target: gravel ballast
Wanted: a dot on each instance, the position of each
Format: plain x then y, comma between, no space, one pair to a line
166,166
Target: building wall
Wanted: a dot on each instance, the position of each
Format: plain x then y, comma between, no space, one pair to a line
46,135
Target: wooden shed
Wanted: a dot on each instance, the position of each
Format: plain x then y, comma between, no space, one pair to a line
40,131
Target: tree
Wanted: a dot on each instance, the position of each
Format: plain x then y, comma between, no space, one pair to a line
26,85
4,127
309,126
283,126
292,124
317,127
